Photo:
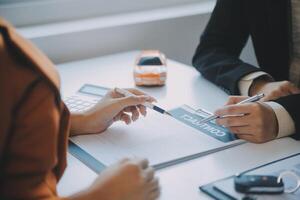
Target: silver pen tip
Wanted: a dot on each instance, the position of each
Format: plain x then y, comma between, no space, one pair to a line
167,113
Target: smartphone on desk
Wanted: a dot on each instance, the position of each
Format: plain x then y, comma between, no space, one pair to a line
85,98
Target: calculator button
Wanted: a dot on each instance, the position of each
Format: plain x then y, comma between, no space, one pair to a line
70,101
80,107
86,104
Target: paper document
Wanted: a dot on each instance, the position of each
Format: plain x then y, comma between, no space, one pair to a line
162,139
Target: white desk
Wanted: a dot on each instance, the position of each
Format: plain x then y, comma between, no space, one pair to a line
184,86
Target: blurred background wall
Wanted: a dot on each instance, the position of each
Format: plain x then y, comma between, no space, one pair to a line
69,30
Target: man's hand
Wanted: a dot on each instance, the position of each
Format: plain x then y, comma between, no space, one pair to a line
113,107
273,90
254,122
126,180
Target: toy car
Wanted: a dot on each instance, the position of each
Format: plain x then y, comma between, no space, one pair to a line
150,68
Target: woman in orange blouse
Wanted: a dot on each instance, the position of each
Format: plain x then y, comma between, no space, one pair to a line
35,126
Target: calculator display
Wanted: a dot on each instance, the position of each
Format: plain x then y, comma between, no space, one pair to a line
93,90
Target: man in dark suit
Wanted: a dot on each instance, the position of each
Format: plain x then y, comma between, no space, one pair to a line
274,26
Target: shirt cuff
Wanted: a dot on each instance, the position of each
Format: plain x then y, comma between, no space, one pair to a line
286,125
245,83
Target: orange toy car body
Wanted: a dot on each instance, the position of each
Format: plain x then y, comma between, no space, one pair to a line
150,68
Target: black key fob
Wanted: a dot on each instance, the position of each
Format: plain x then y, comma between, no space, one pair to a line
256,184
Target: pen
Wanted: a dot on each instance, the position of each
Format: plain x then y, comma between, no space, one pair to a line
248,100
147,104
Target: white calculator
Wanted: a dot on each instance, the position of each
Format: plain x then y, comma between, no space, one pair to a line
85,98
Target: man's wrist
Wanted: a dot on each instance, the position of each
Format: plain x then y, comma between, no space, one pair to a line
286,125
246,82
258,84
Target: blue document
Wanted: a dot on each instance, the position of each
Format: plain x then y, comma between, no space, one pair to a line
188,116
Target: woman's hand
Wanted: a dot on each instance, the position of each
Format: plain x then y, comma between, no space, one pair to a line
127,180
113,107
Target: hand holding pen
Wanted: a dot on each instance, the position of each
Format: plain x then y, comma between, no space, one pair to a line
247,100
111,108
252,121
126,93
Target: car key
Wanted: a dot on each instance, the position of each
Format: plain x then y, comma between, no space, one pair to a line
256,184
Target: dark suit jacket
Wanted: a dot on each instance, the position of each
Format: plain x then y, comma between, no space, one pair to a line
268,22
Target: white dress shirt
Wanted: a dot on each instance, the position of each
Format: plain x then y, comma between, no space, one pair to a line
286,125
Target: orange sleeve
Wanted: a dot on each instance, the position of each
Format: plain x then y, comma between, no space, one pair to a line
31,155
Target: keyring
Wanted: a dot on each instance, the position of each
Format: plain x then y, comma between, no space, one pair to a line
290,174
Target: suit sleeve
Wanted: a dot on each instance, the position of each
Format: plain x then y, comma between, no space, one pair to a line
291,104
217,55
31,156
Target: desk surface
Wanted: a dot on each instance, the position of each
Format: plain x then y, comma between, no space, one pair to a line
184,86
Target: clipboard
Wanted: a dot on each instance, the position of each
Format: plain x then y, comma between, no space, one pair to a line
211,137
216,192
208,134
